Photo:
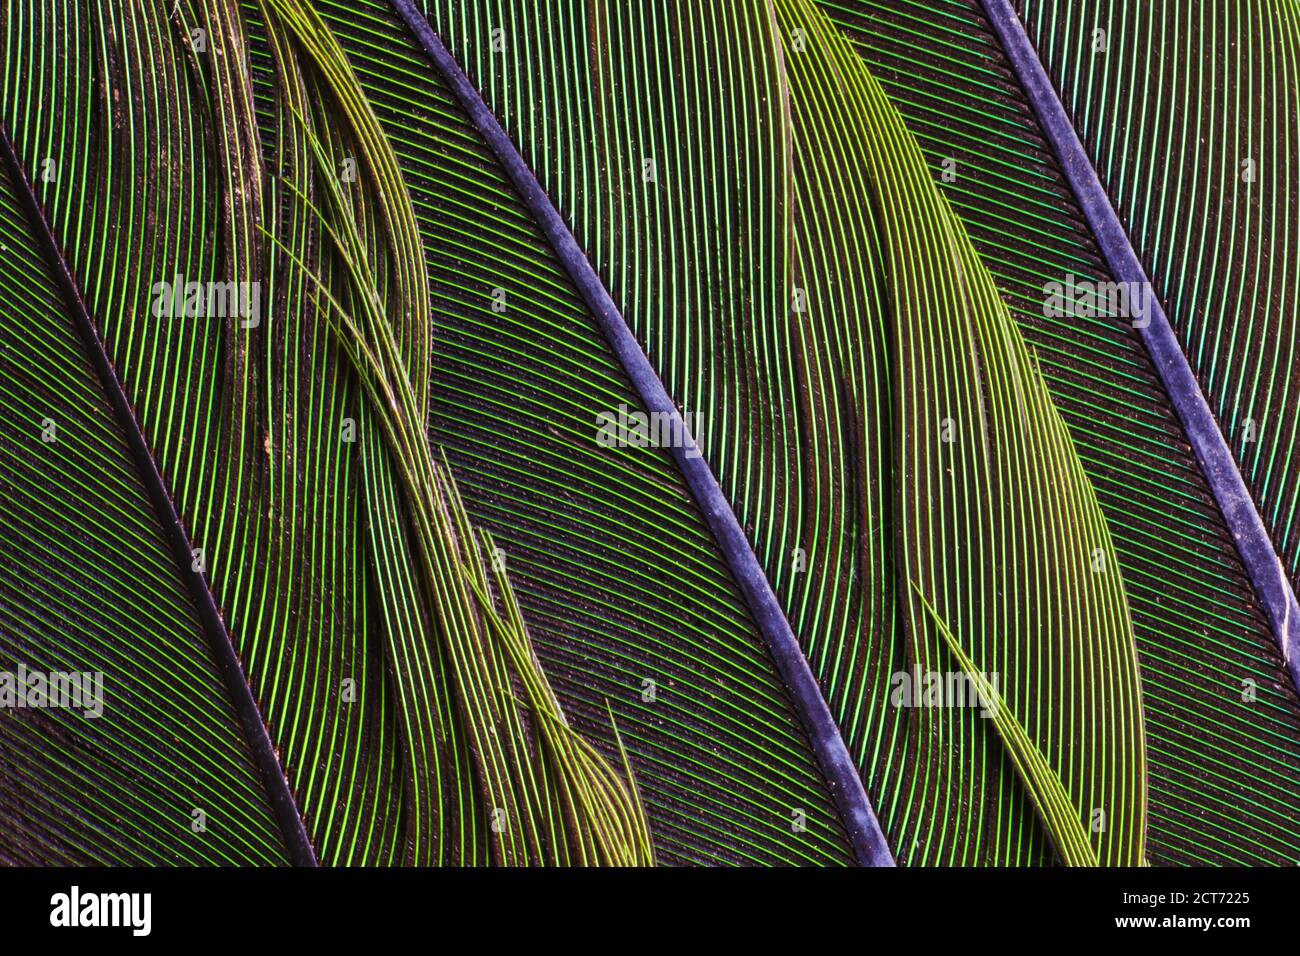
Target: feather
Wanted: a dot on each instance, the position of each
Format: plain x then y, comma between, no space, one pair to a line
1222,723
567,438
577,805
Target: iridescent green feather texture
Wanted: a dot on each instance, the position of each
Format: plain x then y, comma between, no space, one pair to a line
465,630
554,798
